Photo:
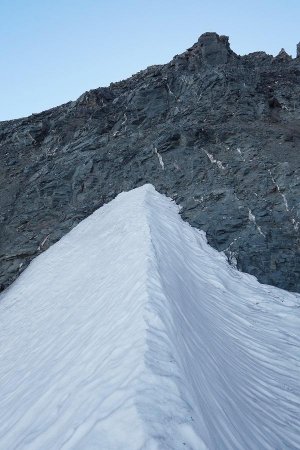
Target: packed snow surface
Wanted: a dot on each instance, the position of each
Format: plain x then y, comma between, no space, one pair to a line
132,333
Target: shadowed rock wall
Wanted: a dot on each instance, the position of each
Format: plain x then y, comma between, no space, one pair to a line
218,132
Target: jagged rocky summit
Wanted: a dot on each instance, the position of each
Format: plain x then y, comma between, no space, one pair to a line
218,132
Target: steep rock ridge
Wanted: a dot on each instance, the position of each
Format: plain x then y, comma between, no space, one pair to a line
218,132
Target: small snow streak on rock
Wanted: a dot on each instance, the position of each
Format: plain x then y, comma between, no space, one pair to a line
252,219
161,162
215,161
296,224
285,202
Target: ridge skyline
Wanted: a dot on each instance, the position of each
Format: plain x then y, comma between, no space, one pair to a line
296,56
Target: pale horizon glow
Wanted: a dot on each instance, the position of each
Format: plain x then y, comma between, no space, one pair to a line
52,52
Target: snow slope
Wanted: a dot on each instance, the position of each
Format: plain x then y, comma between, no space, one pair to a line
132,333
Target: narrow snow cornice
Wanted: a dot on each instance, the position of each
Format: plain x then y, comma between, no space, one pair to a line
131,332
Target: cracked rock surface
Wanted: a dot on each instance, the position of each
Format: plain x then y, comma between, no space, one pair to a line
218,132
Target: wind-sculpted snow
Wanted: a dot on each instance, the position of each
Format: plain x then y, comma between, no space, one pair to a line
132,333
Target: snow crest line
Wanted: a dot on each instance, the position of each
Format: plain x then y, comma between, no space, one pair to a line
234,340
132,333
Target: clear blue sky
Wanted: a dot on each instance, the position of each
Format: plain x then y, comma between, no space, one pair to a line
52,51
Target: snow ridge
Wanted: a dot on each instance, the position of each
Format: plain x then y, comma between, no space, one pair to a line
132,333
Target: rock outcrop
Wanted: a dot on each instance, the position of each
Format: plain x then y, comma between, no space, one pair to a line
218,132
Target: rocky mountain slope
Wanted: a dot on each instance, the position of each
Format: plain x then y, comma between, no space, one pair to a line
218,132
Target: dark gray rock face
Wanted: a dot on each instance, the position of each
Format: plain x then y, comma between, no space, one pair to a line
217,132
